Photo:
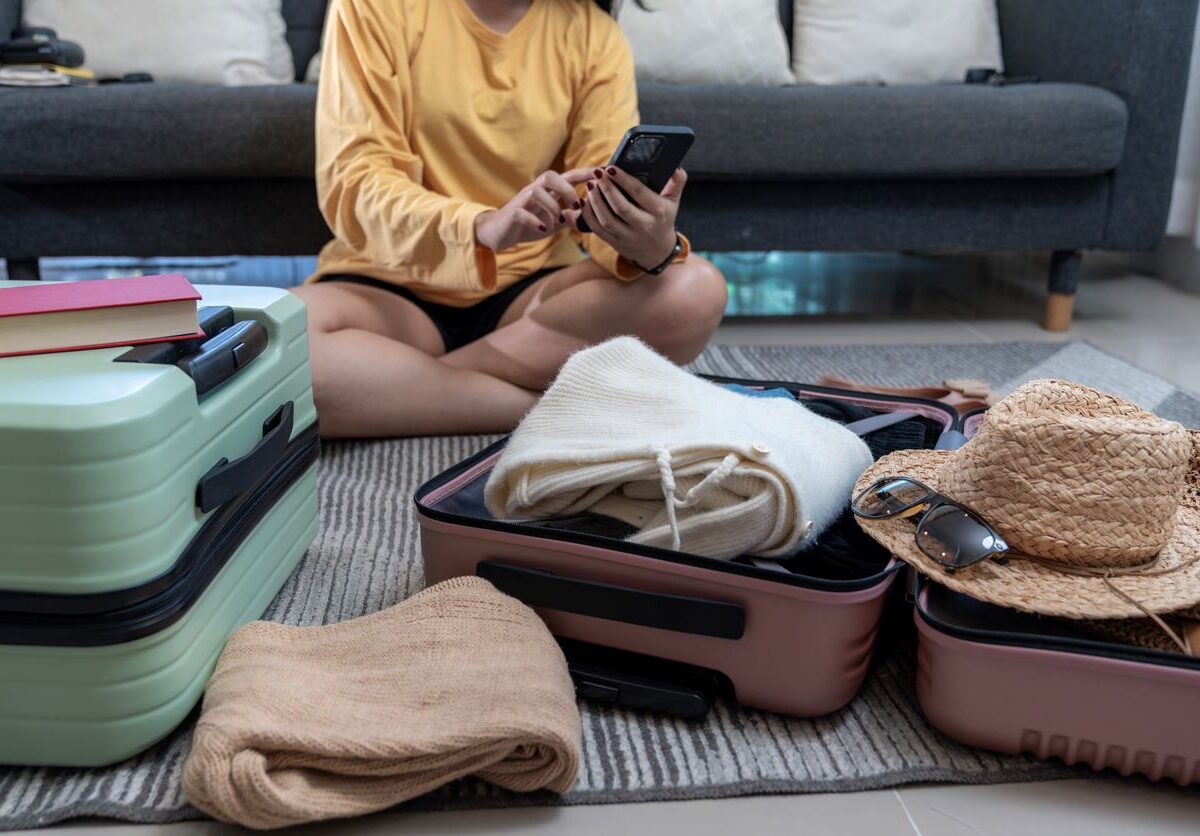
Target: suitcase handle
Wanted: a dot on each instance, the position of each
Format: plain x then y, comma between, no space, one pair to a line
226,348
221,357
228,480
678,613
212,321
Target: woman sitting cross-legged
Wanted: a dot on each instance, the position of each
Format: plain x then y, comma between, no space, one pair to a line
458,141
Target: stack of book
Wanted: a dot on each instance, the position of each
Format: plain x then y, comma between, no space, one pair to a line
72,316
45,75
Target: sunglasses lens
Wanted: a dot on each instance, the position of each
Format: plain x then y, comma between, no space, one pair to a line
956,538
888,497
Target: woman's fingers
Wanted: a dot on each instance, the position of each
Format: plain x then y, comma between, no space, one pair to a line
639,192
621,206
594,222
562,189
579,176
544,204
673,191
529,220
609,222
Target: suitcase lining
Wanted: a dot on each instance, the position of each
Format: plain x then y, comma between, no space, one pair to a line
965,618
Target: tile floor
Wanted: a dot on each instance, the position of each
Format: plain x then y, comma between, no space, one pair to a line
969,299
885,299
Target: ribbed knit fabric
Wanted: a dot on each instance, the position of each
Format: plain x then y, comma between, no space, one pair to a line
307,723
624,432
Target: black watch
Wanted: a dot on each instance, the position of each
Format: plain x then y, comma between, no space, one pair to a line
666,262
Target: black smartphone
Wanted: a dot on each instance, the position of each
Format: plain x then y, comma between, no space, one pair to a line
651,153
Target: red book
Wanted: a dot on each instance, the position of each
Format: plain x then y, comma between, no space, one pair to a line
71,316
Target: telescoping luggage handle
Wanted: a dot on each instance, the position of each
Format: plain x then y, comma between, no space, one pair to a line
679,613
227,348
228,480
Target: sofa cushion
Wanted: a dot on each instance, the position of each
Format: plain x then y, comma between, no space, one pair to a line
744,42
894,41
231,42
179,131
10,17
810,131
156,131
305,19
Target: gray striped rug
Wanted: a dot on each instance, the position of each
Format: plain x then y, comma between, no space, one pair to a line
366,557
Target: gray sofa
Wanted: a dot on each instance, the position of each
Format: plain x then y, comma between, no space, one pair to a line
1083,160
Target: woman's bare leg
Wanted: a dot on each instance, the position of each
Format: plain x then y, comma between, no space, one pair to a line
675,313
379,370
376,372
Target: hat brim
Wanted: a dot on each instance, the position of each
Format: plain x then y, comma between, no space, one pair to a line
1033,587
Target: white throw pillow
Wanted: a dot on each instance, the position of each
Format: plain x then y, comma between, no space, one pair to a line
313,74
894,41
707,41
233,42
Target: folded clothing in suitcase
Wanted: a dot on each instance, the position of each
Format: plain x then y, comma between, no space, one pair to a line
1014,682
793,636
151,501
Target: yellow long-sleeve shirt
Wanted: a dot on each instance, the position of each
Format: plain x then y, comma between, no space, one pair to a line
426,118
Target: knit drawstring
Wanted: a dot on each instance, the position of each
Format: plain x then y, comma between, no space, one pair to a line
666,472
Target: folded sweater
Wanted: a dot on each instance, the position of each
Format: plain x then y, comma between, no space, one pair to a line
691,465
301,724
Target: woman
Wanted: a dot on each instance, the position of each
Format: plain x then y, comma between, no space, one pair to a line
457,144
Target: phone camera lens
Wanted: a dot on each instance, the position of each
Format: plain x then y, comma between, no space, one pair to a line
645,148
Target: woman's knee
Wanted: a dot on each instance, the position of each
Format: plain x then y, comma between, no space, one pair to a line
322,315
688,303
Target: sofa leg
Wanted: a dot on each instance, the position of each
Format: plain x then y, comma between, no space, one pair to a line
1064,277
24,269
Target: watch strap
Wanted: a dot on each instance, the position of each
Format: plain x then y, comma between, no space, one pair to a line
666,262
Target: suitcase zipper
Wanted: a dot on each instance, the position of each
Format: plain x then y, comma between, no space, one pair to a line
36,618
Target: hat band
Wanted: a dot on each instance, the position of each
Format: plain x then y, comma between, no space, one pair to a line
1143,569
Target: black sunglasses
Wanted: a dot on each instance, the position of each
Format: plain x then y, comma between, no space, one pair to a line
952,536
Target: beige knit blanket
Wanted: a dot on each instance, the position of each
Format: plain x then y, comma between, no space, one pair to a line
301,724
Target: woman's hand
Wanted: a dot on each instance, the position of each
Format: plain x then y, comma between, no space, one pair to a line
640,227
538,211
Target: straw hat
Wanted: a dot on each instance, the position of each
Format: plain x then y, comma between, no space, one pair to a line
1142,632
1098,500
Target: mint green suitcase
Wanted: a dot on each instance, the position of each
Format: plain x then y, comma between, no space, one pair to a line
145,513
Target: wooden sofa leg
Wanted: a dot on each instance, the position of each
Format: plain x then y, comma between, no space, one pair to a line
1064,277
24,269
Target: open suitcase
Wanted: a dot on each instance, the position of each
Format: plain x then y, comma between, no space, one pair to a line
650,628
152,500
1013,682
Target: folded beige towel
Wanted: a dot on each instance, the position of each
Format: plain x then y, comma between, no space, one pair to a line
308,723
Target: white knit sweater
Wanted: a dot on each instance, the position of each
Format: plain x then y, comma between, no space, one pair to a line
693,466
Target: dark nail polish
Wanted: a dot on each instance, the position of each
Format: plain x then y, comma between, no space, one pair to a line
599,172
542,227
591,186
562,219
579,204
612,169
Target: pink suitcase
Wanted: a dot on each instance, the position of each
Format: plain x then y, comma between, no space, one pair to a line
650,628
1012,682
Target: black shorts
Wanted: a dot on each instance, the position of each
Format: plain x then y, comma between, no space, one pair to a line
458,326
